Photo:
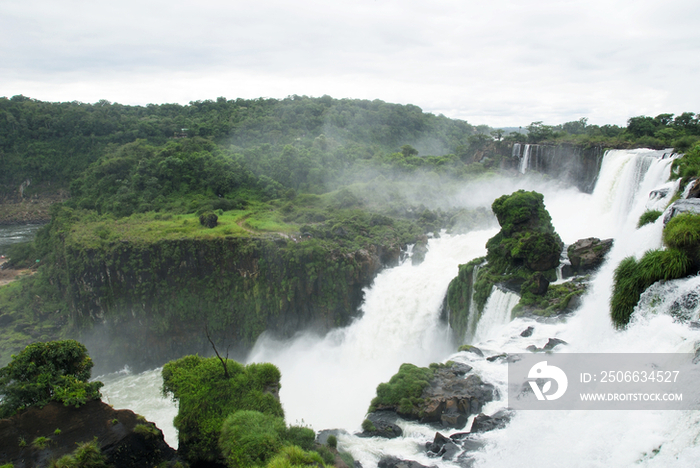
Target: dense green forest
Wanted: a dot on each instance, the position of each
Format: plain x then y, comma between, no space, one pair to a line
318,187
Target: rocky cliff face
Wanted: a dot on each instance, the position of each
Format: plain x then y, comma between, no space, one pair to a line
145,304
35,437
573,164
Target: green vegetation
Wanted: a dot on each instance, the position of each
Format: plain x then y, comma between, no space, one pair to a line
648,217
41,443
332,441
293,457
44,372
632,277
368,426
87,455
683,233
206,399
148,431
687,167
525,254
250,438
403,390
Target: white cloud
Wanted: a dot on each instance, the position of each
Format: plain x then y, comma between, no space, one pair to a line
502,62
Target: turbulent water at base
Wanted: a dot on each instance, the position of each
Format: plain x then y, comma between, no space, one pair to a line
328,382
13,234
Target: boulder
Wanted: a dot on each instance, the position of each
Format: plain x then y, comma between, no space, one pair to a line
588,254
527,332
450,398
484,423
420,249
393,462
688,205
383,424
471,349
124,438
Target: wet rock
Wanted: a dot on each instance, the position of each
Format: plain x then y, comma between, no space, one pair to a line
533,349
420,250
442,447
527,332
587,255
114,431
322,436
540,284
485,423
552,343
497,357
471,349
688,205
383,424
393,462
450,398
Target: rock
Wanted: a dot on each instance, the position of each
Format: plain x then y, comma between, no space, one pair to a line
540,284
496,357
322,436
471,349
66,426
552,343
384,425
450,399
442,447
420,250
588,254
393,462
527,332
693,189
484,423
688,205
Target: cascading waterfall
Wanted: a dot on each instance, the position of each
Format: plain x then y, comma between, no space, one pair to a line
329,381
496,314
525,159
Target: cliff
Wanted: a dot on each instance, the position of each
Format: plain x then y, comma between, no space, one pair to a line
143,304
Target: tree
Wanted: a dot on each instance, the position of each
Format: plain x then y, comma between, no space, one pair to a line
642,126
45,372
537,132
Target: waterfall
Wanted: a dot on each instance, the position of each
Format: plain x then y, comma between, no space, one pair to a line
525,159
329,381
473,318
496,313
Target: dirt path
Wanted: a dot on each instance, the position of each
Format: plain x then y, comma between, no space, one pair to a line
9,275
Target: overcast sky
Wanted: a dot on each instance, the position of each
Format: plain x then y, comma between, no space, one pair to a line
495,62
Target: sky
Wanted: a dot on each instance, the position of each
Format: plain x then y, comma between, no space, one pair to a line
503,63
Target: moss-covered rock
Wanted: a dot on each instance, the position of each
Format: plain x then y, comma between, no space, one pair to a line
523,257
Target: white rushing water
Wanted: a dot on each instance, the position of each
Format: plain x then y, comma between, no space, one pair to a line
328,382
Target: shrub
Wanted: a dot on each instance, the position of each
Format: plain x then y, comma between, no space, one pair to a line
292,456
332,441
683,232
250,438
87,455
206,397
44,372
368,426
301,436
326,454
648,217
209,220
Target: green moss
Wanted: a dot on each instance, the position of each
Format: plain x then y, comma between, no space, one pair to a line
368,426
41,443
648,217
403,390
292,457
148,431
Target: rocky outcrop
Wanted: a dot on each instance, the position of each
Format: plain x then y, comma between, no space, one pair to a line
381,424
586,255
146,304
689,205
36,436
394,462
447,398
485,423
